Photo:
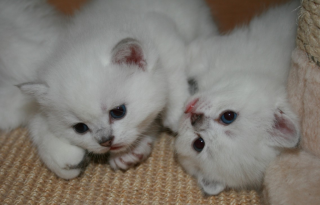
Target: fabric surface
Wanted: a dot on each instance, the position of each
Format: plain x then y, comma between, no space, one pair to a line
290,181
304,95
24,179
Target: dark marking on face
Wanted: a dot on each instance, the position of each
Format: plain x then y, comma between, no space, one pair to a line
193,86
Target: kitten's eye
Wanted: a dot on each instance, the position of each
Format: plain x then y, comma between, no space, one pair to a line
228,117
199,144
118,112
81,128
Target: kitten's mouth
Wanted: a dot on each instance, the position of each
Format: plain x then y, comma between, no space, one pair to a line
116,147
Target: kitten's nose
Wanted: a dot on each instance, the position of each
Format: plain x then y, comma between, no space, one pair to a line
106,141
196,118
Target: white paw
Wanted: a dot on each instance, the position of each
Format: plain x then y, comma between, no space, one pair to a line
171,121
15,108
66,161
11,118
211,187
138,154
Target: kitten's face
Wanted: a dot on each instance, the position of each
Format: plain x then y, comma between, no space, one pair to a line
228,136
100,104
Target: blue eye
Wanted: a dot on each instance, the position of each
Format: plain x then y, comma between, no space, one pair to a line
228,117
118,112
81,128
198,144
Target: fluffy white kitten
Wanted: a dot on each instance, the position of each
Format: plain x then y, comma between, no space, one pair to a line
118,64
240,118
28,32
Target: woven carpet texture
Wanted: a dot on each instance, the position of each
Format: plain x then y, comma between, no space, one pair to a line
24,179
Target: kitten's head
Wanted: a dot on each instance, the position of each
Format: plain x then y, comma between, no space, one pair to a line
101,99
230,133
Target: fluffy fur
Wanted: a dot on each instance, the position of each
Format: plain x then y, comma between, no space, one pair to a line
114,55
243,72
28,33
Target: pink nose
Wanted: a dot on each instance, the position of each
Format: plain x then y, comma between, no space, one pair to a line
107,142
191,105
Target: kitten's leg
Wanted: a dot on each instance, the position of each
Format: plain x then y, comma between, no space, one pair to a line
15,108
173,58
137,154
178,89
178,94
65,160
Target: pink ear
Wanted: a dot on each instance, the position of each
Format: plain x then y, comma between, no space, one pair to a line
285,132
128,51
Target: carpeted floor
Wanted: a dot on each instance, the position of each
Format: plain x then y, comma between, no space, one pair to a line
160,180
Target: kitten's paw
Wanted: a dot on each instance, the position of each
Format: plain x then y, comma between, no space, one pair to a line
68,173
172,121
68,163
134,156
10,120
211,187
15,108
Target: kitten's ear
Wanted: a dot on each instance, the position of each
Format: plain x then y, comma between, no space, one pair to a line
211,187
285,131
37,90
129,51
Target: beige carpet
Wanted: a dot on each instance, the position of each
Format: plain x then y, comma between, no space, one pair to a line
160,180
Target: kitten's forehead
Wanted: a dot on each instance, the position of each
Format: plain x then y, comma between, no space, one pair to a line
232,52
246,97
91,95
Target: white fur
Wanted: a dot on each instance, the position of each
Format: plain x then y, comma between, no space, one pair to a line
28,32
89,74
245,72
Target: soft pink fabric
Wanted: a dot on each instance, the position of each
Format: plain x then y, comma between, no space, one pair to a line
304,95
293,179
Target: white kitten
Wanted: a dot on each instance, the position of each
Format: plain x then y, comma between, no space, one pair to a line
28,32
240,119
115,68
